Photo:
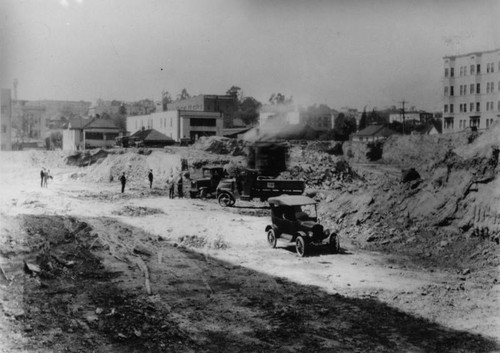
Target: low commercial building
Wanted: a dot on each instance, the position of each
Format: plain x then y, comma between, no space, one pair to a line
373,133
83,134
179,124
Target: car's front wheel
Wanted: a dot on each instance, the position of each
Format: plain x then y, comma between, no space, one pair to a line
225,199
334,243
271,238
300,246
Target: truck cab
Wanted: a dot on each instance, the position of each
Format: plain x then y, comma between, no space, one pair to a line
206,186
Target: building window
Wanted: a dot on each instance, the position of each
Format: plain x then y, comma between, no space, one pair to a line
446,72
472,69
202,122
446,91
448,123
452,91
465,107
478,106
94,135
451,108
471,107
478,69
478,88
446,108
452,72
471,88
474,121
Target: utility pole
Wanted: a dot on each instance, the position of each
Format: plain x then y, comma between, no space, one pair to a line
403,112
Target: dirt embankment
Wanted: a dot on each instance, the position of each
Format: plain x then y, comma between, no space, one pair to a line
449,216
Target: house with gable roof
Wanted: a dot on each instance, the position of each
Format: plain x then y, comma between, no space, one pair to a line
81,133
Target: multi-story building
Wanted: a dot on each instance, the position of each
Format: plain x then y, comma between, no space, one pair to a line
224,104
179,124
320,118
471,90
6,120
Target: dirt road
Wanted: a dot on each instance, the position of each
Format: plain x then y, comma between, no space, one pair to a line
139,272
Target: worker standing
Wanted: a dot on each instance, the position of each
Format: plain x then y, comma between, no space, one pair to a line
123,180
171,186
150,177
179,187
42,176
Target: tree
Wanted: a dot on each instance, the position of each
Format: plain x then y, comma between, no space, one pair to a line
278,98
183,95
166,98
123,110
343,127
363,121
235,92
249,110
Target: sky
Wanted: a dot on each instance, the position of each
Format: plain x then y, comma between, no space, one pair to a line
355,53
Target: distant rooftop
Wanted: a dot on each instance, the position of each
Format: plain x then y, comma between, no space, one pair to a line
473,53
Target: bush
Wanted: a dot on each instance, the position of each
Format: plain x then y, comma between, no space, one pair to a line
374,151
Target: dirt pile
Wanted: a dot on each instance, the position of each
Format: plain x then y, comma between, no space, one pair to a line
136,166
319,169
220,145
420,150
86,158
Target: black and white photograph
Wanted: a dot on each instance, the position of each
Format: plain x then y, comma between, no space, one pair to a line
198,176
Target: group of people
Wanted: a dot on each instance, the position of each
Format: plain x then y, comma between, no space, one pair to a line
171,183
44,177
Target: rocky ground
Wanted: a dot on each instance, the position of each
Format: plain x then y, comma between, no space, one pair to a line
86,268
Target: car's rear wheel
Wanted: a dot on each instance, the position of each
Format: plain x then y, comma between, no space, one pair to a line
300,246
203,194
334,243
271,238
226,199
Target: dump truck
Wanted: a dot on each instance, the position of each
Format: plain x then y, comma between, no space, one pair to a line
249,184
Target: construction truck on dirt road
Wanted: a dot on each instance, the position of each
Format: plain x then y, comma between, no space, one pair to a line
249,184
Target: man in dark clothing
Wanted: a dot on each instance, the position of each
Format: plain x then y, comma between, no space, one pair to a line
171,186
42,176
150,177
123,180
179,187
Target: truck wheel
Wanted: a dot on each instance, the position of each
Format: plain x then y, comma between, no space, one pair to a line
271,238
203,194
226,200
300,246
334,243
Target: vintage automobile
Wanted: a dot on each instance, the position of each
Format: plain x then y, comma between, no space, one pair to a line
249,184
206,186
292,222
